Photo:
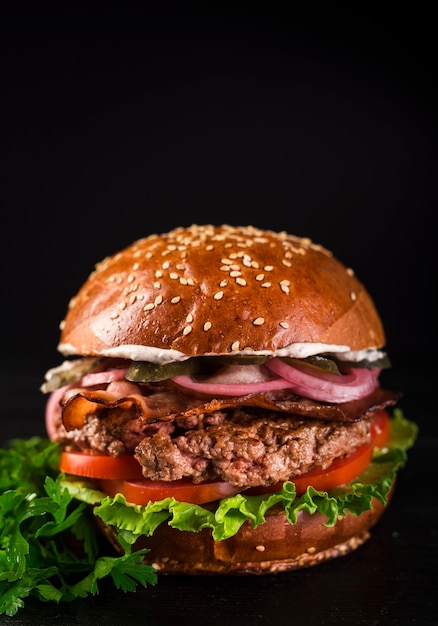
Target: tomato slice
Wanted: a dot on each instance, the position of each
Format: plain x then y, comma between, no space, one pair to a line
100,465
342,470
184,490
381,428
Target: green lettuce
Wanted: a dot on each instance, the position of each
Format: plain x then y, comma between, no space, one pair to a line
230,513
45,515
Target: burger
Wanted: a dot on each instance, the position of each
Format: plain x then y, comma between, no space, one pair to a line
219,403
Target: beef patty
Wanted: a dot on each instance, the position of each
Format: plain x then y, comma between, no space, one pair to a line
249,448
244,445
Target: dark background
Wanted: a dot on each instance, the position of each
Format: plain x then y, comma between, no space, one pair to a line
320,121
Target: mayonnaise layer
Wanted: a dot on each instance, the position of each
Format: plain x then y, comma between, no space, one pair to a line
295,350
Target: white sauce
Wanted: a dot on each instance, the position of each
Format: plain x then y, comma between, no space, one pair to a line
294,350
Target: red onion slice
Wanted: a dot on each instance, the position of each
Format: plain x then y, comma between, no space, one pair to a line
52,406
101,378
355,384
229,389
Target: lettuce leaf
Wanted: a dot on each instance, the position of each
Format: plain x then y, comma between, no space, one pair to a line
230,513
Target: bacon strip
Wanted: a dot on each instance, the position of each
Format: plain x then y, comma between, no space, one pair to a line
166,404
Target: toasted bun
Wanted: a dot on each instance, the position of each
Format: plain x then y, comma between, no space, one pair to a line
219,290
275,546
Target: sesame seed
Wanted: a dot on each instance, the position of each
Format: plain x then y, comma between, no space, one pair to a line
260,548
235,346
284,288
114,316
260,277
268,268
235,273
136,266
159,274
187,330
122,305
241,281
132,298
350,271
286,262
173,276
176,299
284,324
158,299
259,321
149,306
189,318
223,283
157,284
131,278
207,326
166,265
224,268
265,285
353,296
183,281
218,295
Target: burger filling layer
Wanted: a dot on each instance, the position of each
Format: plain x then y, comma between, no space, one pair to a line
256,439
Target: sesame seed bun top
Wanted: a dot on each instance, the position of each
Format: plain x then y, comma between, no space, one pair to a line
219,290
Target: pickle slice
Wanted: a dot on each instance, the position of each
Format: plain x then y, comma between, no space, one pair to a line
145,372
382,363
318,362
334,366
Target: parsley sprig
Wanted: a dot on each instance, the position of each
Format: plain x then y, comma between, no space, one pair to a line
48,540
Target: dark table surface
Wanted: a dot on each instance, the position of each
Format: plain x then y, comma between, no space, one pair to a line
391,579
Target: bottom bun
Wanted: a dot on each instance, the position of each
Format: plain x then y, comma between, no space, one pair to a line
272,547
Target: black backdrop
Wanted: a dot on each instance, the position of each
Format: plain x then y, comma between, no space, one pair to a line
120,123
